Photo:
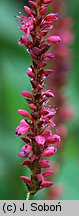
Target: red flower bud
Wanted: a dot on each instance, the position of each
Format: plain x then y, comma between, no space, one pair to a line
48,173
48,93
46,184
42,64
27,10
44,164
47,1
30,73
40,87
48,71
41,177
48,56
23,113
26,139
51,17
43,11
53,138
53,39
47,133
26,163
26,179
32,106
33,5
36,50
26,94
43,33
49,151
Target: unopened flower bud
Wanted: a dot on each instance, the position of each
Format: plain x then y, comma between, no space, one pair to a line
53,39
27,10
23,113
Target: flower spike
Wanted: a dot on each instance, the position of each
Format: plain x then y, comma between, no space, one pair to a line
35,129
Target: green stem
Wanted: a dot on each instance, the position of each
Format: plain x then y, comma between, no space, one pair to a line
29,196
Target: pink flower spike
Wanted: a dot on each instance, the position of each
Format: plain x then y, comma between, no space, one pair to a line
23,113
48,173
32,106
53,138
27,10
26,179
40,140
53,39
46,184
30,73
37,123
51,17
26,94
49,151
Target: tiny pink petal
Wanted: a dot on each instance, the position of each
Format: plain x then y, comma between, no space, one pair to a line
22,154
40,140
52,124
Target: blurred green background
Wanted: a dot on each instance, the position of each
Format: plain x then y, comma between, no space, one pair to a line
13,63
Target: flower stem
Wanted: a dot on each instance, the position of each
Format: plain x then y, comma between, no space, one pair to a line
29,196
